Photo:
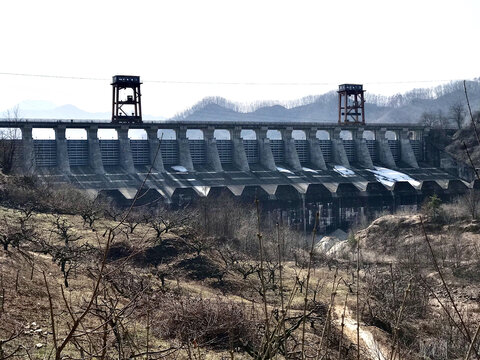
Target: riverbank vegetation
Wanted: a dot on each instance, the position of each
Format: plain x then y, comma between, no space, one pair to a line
82,278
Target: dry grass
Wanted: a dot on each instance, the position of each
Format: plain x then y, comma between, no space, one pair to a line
132,277
26,299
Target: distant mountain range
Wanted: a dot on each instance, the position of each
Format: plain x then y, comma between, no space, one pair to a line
39,109
400,108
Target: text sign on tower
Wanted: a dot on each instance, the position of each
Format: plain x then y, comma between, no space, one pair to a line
350,87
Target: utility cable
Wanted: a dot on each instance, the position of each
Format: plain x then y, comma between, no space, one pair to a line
245,83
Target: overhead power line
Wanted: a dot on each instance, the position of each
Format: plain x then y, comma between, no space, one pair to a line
245,83
53,76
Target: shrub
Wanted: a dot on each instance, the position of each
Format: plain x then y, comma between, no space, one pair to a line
432,207
212,322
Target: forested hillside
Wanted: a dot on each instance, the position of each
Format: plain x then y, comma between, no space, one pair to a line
400,108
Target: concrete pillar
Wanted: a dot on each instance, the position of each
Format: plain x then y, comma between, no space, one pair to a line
213,159
406,152
384,153
264,150
94,153
154,145
339,155
316,155
125,151
184,156
28,151
238,150
361,149
290,151
63,163
428,154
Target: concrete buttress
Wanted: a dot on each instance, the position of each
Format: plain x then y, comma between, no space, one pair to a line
154,148
238,150
125,150
63,162
316,155
28,150
361,149
184,156
339,155
406,151
384,152
291,155
264,149
95,155
213,159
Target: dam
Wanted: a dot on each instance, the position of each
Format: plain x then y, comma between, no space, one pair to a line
347,170
344,170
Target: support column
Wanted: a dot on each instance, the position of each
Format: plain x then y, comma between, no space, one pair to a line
339,155
291,155
184,156
94,153
125,151
238,150
406,152
264,150
384,153
428,154
213,159
63,162
316,155
28,151
156,159
363,155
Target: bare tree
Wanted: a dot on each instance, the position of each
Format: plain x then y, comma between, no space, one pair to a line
471,201
16,232
68,254
434,119
164,221
457,114
9,142
90,210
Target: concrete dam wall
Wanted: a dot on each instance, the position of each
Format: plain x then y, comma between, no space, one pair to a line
345,171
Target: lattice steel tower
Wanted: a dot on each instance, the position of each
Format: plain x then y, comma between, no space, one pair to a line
126,104
351,104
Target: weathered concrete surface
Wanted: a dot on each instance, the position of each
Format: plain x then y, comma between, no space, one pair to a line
213,159
265,150
184,156
338,151
28,151
95,155
63,161
238,150
125,151
315,151
290,151
406,151
361,149
384,153
154,147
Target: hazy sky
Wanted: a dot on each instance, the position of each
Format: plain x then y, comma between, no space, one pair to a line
390,46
